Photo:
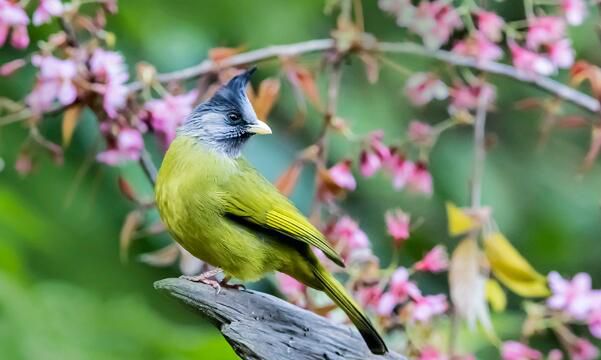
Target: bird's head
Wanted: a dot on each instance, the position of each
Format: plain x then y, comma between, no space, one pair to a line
227,120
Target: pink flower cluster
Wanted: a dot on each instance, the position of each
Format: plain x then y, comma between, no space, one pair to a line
13,17
47,9
421,88
167,113
465,97
347,237
434,21
398,225
547,47
374,156
126,145
403,296
415,176
576,299
54,82
110,73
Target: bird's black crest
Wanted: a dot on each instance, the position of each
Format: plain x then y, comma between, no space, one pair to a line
233,93
239,82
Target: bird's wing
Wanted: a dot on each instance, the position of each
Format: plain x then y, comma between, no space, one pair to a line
249,197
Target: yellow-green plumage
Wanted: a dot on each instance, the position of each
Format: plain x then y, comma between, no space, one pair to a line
224,212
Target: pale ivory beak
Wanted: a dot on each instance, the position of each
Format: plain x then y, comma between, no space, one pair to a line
259,128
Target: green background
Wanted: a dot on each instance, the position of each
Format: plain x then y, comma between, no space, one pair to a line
64,293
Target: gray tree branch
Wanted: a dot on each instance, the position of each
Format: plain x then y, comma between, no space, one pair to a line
262,327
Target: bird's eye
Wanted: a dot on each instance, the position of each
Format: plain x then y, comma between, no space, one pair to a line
233,116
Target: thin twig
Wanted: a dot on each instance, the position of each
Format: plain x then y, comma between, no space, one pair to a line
479,152
549,85
148,166
208,66
553,87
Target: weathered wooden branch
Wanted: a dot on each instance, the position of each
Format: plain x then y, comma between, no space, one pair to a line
262,327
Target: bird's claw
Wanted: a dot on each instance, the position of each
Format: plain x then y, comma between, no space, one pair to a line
204,280
233,286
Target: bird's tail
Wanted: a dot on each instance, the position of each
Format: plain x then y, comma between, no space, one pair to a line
338,294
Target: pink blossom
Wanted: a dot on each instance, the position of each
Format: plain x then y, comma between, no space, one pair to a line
466,97
13,16
375,155
544,30
479,47
401,170
574,11
347,237
555,354
127,147
110,71
573,297
397,224
530,62
45,10
431,353
403,10
421,88
54,81
386,304
292,288
420,133
561,53
343,177
421,180
424,308
436,260
11,67
401,287
435,21
594,321
583,349
490,24
369,163
369,296
513,350
168,113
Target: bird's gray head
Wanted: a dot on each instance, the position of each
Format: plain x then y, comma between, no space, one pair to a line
227,120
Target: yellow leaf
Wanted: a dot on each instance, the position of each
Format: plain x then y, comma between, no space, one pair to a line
459,221
70,120
512,269
495,295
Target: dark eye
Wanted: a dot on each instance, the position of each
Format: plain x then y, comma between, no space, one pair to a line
234,116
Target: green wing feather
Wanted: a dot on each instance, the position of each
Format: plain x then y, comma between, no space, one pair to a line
250,197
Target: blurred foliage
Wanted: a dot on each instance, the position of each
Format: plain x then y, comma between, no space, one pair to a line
64,293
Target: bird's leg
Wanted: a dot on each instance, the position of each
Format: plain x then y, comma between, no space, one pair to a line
226,279
205,278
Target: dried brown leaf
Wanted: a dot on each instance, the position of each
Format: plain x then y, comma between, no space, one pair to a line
126,189
132,222
70,120
288,180
372,67
594,149
219,54
584,71
163,257
303,79
265,98
572,122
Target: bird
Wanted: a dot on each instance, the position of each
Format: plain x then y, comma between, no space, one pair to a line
219,208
